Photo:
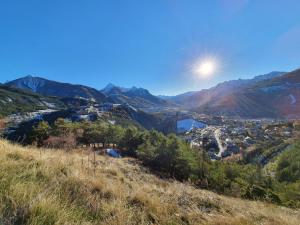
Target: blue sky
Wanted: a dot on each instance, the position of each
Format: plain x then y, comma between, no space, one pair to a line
147,43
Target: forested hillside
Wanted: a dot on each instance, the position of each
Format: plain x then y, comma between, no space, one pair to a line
13,100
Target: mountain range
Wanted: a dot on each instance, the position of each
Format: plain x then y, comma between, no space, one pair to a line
137,97
195,99
273,95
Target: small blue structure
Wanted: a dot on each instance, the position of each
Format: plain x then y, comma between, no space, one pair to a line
113,153
39,117
189,124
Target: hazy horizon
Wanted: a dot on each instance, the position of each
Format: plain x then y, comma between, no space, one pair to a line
157,94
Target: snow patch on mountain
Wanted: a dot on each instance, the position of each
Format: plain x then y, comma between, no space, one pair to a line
49,104
274,88
9,99
293,99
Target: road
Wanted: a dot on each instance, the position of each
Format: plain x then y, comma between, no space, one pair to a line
217,134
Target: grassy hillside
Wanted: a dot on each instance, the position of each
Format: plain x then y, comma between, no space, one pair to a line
56,187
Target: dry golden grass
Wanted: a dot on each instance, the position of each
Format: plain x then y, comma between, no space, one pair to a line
56,187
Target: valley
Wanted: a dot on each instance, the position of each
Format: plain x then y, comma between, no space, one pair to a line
226,134
238,138
150,112
235,153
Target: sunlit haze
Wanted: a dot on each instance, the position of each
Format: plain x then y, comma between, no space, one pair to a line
205,68
149,44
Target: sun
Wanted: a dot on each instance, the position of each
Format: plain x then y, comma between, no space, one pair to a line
204,67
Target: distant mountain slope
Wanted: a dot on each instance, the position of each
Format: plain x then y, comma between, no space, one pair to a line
282,94
206,96
53,88
137,97
13,100
276,97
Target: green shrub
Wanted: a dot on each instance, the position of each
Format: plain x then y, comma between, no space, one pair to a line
288,168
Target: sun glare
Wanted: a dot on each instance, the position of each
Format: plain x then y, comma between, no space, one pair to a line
204,67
